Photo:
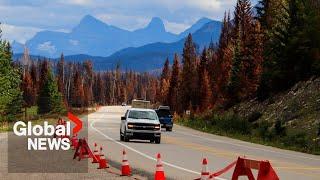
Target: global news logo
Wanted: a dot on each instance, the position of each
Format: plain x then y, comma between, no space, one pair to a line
46,137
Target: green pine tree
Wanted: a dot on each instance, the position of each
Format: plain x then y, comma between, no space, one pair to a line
291,46
273,16
10,93
189,75
234,87
50,99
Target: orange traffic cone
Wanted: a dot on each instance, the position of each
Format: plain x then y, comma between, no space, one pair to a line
103,164
96,156
95,148
159,175
125,169
204,173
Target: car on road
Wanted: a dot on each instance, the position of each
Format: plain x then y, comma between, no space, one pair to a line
138,123
124,104
165,117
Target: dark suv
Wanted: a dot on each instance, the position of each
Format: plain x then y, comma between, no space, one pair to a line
165,117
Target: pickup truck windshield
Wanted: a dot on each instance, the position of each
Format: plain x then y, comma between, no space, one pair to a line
142,115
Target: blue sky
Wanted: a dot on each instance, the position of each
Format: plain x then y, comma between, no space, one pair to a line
21,19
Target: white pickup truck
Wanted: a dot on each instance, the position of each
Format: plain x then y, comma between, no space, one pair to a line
142,124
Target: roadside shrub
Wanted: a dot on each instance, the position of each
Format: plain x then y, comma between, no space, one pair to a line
232,123
264,130
296,140
279,129
254,116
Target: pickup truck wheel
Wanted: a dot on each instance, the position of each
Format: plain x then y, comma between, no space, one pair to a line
121,137
157,140
125,138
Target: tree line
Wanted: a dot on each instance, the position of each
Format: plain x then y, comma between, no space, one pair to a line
55,87
258,55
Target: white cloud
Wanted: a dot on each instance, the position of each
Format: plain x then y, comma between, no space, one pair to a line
137,22
73,42
129,22
197,4
175,27
77,2
47,46
63,30
18,33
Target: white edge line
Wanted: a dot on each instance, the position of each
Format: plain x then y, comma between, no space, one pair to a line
249,147
145,155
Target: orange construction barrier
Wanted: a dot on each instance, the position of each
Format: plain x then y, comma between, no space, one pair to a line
244,166
266,172
83,150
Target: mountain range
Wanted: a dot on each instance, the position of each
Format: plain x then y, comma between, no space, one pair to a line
106,45
152,56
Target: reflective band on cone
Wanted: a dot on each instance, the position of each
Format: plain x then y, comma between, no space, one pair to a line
125,168
204,173
159,175
96,156
95,148
103,163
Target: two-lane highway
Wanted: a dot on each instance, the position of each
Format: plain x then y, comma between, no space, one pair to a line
183,149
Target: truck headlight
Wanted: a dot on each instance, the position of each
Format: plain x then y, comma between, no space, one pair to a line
157,126
130,126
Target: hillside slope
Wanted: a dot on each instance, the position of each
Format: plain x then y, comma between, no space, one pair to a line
298,108
288,120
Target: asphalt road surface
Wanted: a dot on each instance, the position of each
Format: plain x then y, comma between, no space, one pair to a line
182,150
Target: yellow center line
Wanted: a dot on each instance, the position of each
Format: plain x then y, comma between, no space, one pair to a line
232,155
299,167
199,147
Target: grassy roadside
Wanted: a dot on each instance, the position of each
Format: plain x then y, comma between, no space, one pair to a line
231,125
33,116
7,126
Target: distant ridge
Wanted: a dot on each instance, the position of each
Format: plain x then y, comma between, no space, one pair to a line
96,38
148,57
